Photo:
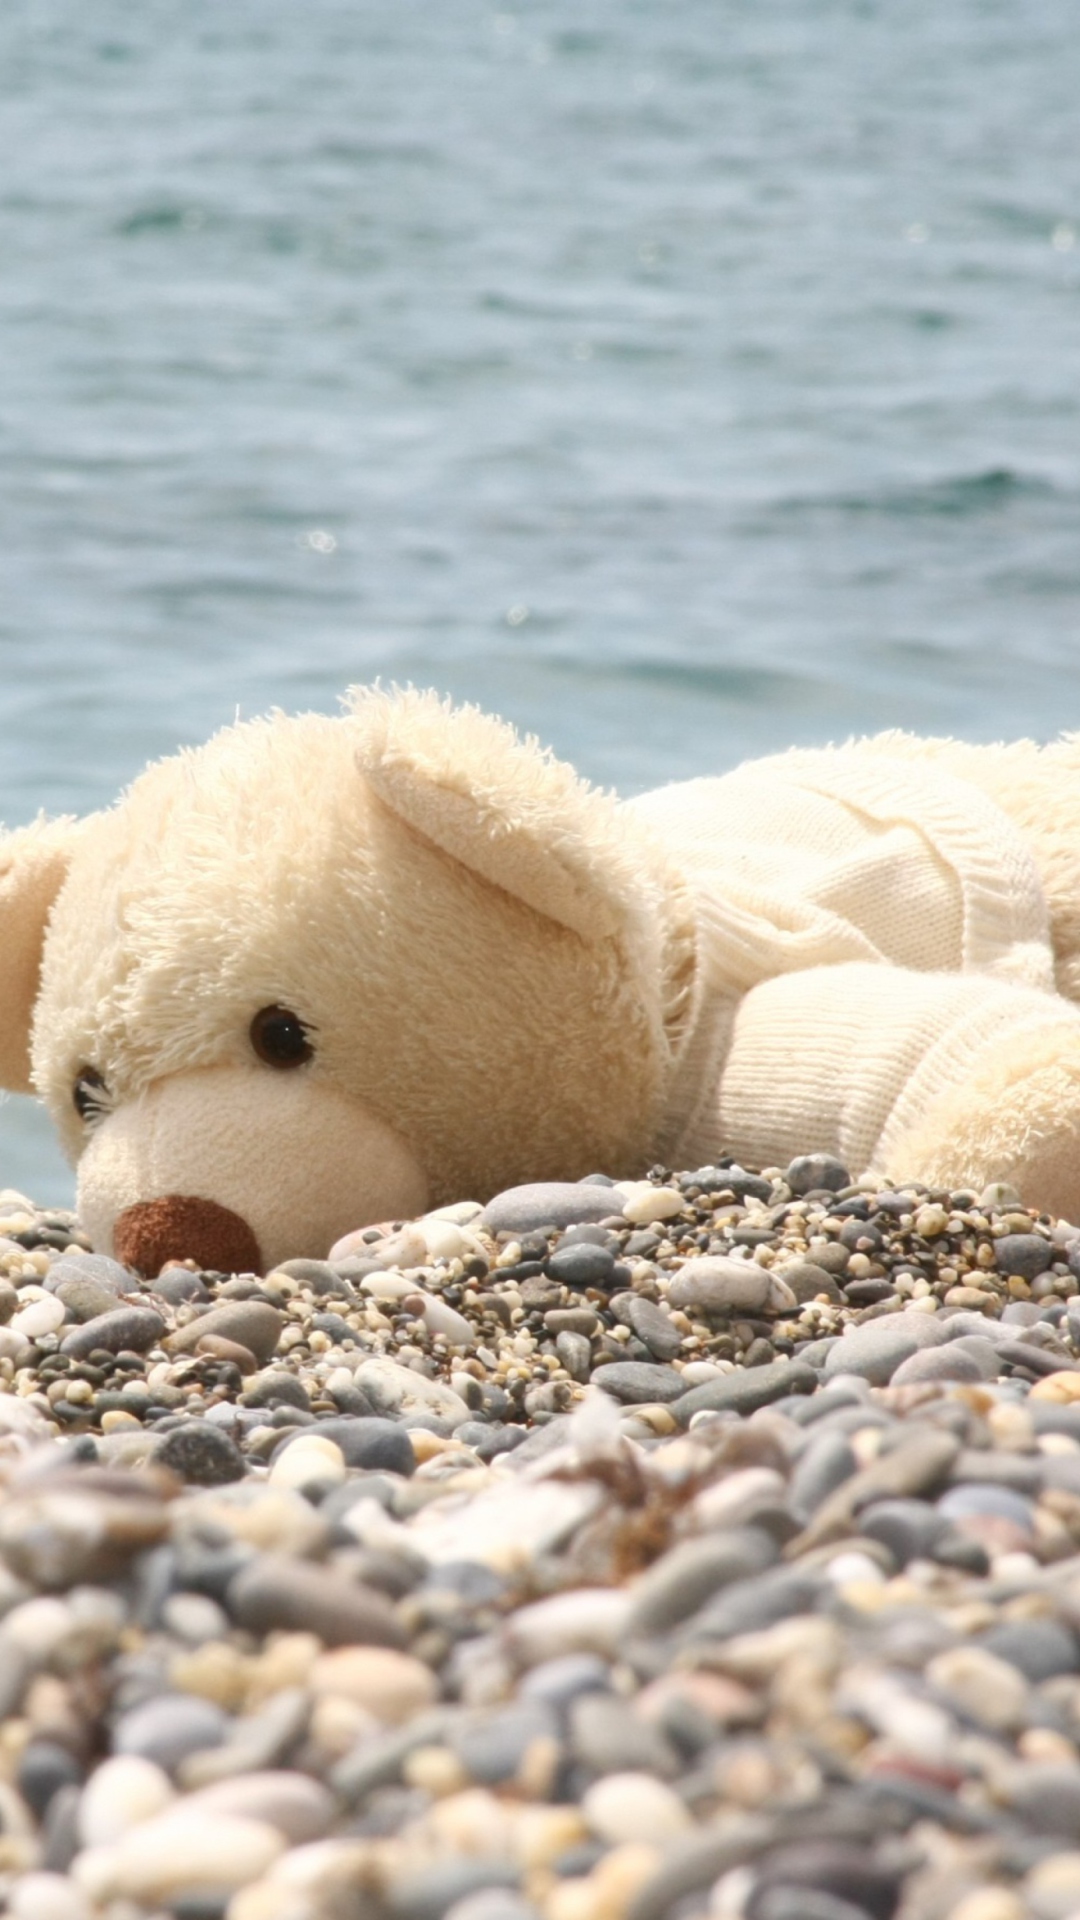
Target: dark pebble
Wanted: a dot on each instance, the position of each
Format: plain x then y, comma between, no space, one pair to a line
275,1388
813,1172
1040,1649
44,1768
375,1443
1027,1254
136,1328
582,1265
428,1892
688,1575
201,1453
850,1874
747,1605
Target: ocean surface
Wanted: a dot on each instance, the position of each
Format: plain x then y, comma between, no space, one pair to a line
681,380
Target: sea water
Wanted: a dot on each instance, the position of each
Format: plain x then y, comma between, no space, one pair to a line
680,379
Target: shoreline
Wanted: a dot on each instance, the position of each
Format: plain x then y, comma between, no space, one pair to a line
714,1550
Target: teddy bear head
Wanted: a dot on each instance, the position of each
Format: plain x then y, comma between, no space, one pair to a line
324,972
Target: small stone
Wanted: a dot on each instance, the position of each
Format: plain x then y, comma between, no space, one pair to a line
720,1286
46,1896
1059,1389
275,1387
84,1298
607,1736
200,1453
178,1854
296,1806
647,1204
826,1462
133,1329
877,1348
167,1729
947,1362
310,1460
245,1323
585,1620
1040,1649
807,1280
639,1382
575,1352
813,1172
531,1208
582,1265
392,1686
634,1806
278,1592
989,1690
1027,1254
676,1585
121,1793
744,1392
369,1442
176,1286
42,1313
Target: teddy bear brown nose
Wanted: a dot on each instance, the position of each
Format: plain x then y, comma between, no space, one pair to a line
181,1227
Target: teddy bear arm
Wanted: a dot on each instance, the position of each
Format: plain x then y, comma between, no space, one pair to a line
947,1079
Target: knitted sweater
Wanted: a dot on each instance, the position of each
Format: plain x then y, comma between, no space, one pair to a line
866,928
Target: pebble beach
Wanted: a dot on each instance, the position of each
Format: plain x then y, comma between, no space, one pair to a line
702,1546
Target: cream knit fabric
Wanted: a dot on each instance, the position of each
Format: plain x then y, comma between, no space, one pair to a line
867,928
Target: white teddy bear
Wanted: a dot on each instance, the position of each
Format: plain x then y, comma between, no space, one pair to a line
324,972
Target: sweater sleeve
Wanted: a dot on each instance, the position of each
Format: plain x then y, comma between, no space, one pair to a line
852,1059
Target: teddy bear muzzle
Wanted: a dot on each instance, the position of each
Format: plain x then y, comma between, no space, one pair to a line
181,1226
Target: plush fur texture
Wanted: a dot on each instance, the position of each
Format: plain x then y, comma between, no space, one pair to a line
506,975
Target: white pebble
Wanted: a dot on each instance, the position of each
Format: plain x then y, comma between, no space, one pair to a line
120,1794
308,1459
47,1896
43,1313
175,1854
646,1204
629,1807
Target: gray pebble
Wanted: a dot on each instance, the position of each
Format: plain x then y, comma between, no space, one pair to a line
96,1267
553,1203
582,1265
177,1285
426,1893
318,1275
561,1679
748,1605
607,1736
878,1347
947,1362
85,1299
639,1382
1027,1254
491,1746
747,1390
275,1387
910,1529
1041,1649
575,1352
170,1727
688,1575
277,1591
810,1172
370,1441
806,1280
124,1328
825,1463
250,1323
651,1323
1046,1795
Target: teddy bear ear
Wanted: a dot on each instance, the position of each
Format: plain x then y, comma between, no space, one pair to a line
503,806
33,866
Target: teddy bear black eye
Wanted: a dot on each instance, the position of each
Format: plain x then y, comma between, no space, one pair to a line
280,1038
90,1094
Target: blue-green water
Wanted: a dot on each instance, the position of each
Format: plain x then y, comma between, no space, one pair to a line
681,380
